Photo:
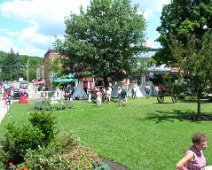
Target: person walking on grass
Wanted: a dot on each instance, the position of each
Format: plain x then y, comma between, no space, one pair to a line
194,157
9,98
98,97
12,94
89,92
5,95
123,100
109,92
119,93
147,90
133,92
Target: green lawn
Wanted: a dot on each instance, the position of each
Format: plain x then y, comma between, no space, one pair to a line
143,135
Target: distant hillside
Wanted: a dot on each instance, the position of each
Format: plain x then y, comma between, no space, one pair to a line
4,54
19,66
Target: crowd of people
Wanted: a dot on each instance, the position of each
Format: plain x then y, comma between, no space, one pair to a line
8,95
99,94
111,92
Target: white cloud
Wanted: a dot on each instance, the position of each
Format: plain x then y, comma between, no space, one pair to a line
5,44
30,35
45,20
150,6
148,13
46,15
32,51
35,42
154,5
8,32
152,44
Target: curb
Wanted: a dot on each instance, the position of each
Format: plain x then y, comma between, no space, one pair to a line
3,110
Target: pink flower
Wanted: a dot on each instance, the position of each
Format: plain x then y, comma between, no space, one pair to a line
11,164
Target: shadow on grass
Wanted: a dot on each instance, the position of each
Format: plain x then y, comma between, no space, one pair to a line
188,115
195,101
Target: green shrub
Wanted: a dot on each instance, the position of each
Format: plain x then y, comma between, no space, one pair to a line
64,139
53,156
17,141
45,121
181,96
48,158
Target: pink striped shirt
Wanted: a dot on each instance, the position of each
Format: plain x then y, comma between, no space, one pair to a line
198,162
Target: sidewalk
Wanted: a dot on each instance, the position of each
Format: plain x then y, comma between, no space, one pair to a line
3,109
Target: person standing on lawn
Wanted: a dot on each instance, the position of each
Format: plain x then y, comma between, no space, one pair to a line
109,92
89,92
147,90
194,157
98,97
119,93
133,92
12,94
5,95
123,97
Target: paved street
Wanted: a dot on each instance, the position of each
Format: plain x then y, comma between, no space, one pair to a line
3,108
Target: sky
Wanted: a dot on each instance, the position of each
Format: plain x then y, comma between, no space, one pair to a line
29,27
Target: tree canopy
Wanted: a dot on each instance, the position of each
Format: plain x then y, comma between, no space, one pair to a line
182,18
197,63
13,66
103,40
186,39
10,68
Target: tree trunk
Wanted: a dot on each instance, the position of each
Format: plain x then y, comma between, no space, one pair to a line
198,104
106,83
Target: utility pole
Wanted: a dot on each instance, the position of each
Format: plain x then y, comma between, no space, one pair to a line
27,70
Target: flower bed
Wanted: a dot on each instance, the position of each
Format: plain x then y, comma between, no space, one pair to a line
78,157
52,105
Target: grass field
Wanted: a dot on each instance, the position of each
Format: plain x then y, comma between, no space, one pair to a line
144,135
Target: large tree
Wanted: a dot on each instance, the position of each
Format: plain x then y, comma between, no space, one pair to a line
185,36
103,40
197,63
182,18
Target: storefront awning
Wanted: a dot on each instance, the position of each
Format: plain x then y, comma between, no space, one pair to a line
40,82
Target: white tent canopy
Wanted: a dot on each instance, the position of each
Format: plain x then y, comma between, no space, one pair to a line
79,93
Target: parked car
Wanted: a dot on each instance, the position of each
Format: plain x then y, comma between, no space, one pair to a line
23,85
17,95
43,87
